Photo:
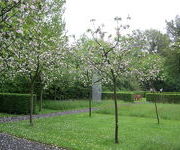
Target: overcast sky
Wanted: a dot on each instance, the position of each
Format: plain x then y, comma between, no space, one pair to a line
145,14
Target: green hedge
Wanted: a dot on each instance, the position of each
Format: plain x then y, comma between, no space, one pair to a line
171,92
142,93
126,96
16,103
163,97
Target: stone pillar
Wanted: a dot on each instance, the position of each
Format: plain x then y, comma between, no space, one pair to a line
96,88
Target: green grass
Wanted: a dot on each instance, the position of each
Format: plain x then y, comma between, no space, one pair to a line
50,106
138,128
79,132
65,105
7,115
71,105
166,111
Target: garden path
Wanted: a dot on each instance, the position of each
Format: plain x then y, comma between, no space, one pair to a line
26,117
9,142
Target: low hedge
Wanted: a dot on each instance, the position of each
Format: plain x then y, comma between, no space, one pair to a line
16,103
163,97
142,93
126,96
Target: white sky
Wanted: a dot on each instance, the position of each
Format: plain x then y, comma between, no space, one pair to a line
145,14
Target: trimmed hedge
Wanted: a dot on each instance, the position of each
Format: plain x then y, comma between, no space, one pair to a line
126,96
16,103
163,97
142,93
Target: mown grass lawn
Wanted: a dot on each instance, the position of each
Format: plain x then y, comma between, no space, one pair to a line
97,133
71,104
138,128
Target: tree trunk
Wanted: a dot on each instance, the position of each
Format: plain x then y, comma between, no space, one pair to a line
155,104
90,101
116,110
55,93
157,115
89,107
31,105
41,98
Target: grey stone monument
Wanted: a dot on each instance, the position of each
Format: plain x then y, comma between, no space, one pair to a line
96,88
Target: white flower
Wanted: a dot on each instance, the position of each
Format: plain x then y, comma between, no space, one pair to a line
32,7
19,31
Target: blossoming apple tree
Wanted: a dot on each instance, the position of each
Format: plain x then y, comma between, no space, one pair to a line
148,69
109,56
39,40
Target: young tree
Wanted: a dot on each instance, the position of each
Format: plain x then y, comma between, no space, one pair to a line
40,40
80,68
149,68
109,56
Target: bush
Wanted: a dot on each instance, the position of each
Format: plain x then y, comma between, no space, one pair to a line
16,103
126,96
163,97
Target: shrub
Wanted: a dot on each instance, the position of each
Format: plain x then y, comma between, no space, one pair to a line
15,103
163,97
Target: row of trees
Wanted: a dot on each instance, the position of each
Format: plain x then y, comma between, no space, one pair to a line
35,55
149,57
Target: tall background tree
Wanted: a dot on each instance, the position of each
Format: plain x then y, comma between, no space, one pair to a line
172,63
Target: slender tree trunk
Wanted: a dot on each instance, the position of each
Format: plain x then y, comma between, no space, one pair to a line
157,115
55,93
41,98
90,107
116,110
90,94
155,104
31,104
90,101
